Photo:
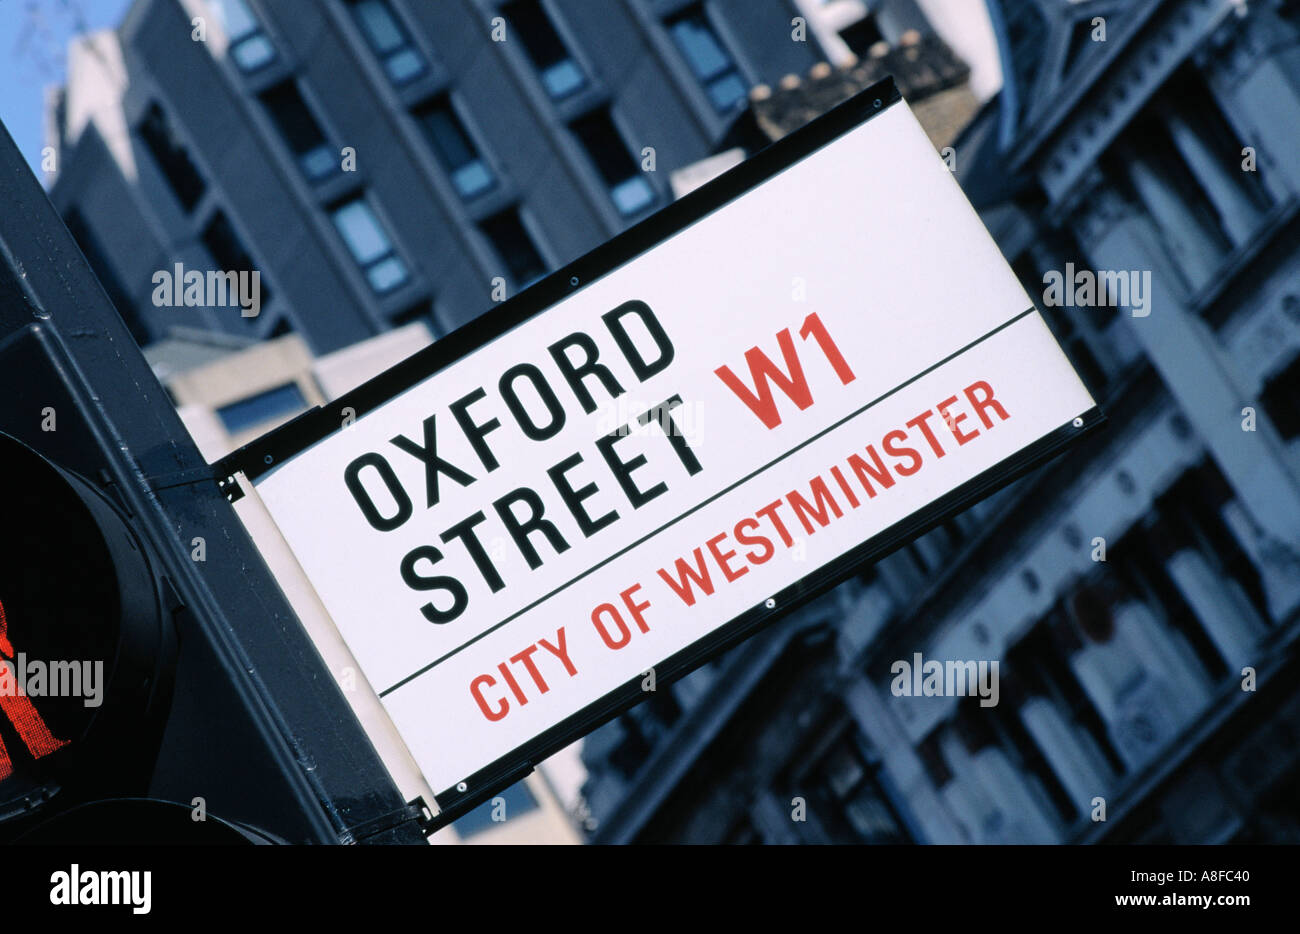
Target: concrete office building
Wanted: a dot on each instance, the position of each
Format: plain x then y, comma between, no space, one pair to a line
380,162
1141,594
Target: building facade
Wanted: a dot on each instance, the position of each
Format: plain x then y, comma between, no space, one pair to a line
1140,595
380,162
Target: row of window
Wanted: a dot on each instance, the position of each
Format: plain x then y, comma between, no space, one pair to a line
469,172
558,71
708,60
355,221
1182,161
218,235
390,42
471,175
249,46
561,74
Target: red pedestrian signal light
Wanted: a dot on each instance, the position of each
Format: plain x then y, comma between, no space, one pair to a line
19,709
81,639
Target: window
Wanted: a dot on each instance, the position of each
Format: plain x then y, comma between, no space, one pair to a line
226,249
708,60
1189,516
279,402
846,802
389,41
515,800
1212,149
1011,732
446,134
858,809
561,75
515,247
1041,661
301,133
626,185
1148,163
249,46
369,245
1181,160
172,159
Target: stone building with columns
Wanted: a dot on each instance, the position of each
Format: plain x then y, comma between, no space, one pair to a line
1141,594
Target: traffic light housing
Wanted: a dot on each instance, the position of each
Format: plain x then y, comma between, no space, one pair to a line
87,652
214,699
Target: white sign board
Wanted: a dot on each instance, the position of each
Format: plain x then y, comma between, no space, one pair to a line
675,444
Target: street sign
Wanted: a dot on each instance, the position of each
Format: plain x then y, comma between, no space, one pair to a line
712,418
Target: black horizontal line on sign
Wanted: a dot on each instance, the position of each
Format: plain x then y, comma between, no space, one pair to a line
698,506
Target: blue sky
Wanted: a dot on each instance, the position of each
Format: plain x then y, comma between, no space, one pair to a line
34,38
